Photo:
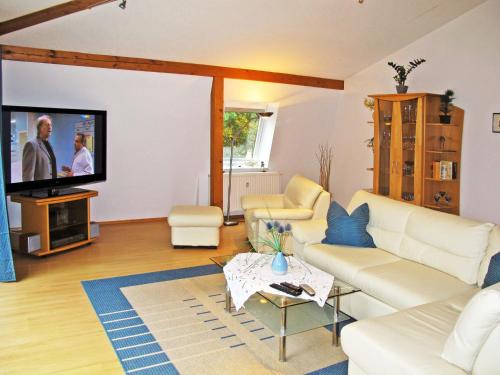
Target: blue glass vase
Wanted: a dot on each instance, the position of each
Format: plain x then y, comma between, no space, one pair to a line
279,265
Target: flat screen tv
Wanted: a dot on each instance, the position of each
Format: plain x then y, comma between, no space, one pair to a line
46,149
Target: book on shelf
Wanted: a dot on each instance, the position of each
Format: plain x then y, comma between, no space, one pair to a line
443,170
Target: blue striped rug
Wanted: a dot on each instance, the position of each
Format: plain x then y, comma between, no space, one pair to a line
136,347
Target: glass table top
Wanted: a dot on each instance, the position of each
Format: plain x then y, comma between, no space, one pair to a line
302,315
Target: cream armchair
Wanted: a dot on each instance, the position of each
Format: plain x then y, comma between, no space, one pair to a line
303,200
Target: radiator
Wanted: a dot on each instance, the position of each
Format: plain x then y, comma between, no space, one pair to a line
249,183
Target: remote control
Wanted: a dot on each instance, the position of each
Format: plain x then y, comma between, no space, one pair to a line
306,288
286,290
291,286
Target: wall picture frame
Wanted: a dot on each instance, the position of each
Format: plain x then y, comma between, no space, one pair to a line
496,123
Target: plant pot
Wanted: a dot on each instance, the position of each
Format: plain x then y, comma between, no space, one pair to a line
400,89
445,119
279,265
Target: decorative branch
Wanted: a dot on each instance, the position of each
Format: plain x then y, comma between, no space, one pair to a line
325,156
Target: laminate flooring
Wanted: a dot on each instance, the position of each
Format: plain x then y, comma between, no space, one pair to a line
47,324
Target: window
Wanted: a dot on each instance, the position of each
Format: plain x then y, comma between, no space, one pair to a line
252,135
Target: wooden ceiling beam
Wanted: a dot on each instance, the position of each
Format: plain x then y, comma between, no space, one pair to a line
48,14
39,55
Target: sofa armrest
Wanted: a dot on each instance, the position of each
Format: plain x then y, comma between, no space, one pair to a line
252,201
282,213
310,231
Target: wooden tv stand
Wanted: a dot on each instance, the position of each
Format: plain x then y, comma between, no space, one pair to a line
63,222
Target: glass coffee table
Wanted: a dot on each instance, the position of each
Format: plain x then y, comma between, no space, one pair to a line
286,316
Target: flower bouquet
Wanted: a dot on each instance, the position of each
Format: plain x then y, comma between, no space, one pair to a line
275,240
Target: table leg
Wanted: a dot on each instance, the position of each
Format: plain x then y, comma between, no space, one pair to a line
282,335
228,299
335,331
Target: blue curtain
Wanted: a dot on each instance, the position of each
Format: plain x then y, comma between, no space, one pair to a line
7,272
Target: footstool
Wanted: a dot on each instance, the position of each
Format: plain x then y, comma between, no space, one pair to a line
196,226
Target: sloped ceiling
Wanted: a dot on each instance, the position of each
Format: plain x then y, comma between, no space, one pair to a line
325,38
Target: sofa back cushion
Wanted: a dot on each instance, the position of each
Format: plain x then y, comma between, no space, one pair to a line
476,322
487,358
301,193
388,219
321,206
449,243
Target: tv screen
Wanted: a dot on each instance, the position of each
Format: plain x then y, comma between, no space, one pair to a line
47,148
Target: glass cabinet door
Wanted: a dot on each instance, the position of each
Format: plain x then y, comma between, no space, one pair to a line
406,169
383,145
396,151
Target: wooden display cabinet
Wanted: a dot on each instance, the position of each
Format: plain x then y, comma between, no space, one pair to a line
408,142
63,222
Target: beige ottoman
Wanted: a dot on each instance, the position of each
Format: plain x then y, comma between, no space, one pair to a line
196,226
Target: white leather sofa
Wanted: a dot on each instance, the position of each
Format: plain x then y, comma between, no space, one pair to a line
412,341
425,268
303,199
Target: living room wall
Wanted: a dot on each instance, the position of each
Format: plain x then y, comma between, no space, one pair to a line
158,131
463,55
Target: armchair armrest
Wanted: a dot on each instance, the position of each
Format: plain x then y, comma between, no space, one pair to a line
310,231
283,213
252,201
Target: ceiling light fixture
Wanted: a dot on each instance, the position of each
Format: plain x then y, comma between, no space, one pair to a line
123,4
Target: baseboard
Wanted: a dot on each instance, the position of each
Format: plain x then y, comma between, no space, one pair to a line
130,221
155,220
236,217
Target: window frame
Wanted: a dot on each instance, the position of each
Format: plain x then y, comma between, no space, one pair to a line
259,152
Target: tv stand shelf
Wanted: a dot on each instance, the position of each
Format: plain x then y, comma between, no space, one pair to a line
62,221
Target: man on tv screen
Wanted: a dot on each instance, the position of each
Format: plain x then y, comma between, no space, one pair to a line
82,160
39,160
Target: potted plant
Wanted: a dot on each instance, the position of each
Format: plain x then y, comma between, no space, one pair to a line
402,73
446,100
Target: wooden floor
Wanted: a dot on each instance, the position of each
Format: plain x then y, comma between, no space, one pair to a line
47,324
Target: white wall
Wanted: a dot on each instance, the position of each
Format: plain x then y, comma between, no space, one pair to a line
158,131
305,120
463,55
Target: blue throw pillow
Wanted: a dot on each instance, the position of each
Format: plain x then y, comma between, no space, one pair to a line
348,230
493,274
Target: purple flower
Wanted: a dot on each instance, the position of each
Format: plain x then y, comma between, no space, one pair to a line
269,226
281,229
276,224
288,227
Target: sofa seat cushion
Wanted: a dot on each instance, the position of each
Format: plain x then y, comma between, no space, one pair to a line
345,262
403,284
406,342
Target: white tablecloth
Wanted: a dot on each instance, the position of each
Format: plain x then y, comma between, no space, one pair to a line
249,273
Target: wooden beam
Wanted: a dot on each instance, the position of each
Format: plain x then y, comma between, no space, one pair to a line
48,14
216,141
131,63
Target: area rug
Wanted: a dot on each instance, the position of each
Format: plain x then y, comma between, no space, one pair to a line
174,322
